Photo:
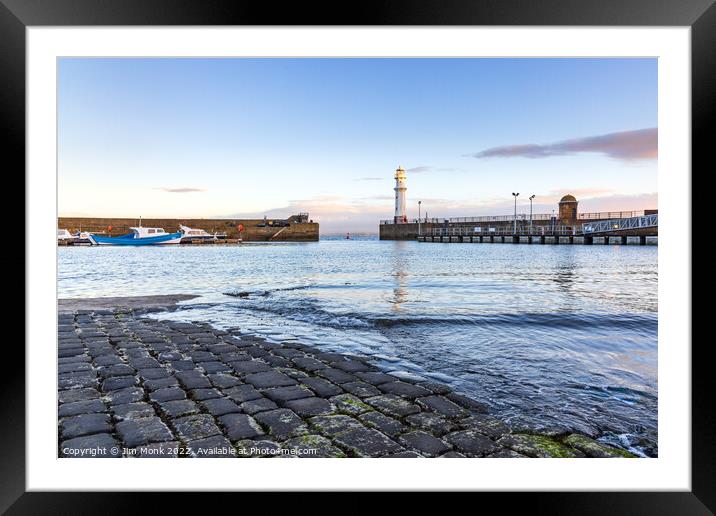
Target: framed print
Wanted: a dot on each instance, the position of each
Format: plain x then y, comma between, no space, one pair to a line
423,231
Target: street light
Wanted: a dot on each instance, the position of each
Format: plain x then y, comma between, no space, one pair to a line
419,203
515,196
531,197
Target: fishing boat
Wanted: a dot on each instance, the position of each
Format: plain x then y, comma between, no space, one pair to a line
190,235
139,236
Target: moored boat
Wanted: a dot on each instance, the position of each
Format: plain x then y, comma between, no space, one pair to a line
82,238
64,235
191,235
139,236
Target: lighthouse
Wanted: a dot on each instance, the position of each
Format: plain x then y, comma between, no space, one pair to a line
400,188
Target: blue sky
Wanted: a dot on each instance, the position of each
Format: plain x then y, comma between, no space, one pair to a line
248,137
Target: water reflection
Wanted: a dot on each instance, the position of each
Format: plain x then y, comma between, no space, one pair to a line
399,273
564,271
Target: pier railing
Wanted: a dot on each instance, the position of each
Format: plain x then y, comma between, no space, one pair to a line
422,220
521,217
606,215
521,231
525,217
606,226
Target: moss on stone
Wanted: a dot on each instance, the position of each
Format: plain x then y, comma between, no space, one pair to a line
357,404
349,404
538,446
593,448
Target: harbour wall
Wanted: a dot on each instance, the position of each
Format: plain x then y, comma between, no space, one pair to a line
407,231
255,230
546,239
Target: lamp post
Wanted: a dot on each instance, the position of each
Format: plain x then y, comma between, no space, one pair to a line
514,231
419,203
531,197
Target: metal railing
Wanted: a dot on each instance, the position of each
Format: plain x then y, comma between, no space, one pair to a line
521,231
502,218
605,226
422,220
525,217
602,215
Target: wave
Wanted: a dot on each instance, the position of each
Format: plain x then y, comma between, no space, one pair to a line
309,310
579,321
264,292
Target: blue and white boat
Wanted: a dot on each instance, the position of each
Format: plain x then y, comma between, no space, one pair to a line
139,236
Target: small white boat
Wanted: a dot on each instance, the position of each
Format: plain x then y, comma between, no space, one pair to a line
82,238
63,234
191,234
139,236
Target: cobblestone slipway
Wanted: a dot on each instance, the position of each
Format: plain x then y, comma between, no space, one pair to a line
130,386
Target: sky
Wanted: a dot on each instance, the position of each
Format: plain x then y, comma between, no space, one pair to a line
237,137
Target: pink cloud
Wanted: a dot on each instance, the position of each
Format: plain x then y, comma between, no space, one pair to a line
626,145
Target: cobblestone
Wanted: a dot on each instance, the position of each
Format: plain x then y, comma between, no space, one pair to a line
282,423
84,424
425,443
135,432
154,387
366,442
195,427
81,407
259,405
307,407
240,426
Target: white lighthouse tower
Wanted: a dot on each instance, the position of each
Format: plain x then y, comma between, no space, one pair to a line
400,188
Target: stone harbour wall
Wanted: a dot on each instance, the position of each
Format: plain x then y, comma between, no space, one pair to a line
253,232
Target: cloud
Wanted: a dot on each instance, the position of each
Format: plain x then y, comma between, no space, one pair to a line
370,179
181,190
428,168
378,198
625,145
553,196
620,202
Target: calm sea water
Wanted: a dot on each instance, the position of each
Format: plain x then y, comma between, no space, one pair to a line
547,336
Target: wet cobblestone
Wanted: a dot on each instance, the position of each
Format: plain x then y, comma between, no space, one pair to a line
129,386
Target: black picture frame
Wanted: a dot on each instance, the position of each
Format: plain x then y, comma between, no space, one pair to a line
700,15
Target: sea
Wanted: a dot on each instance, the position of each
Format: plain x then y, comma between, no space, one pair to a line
550,337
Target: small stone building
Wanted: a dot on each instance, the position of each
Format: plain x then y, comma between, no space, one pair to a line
568,210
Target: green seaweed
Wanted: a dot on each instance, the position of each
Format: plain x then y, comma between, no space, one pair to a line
594,448
540,445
